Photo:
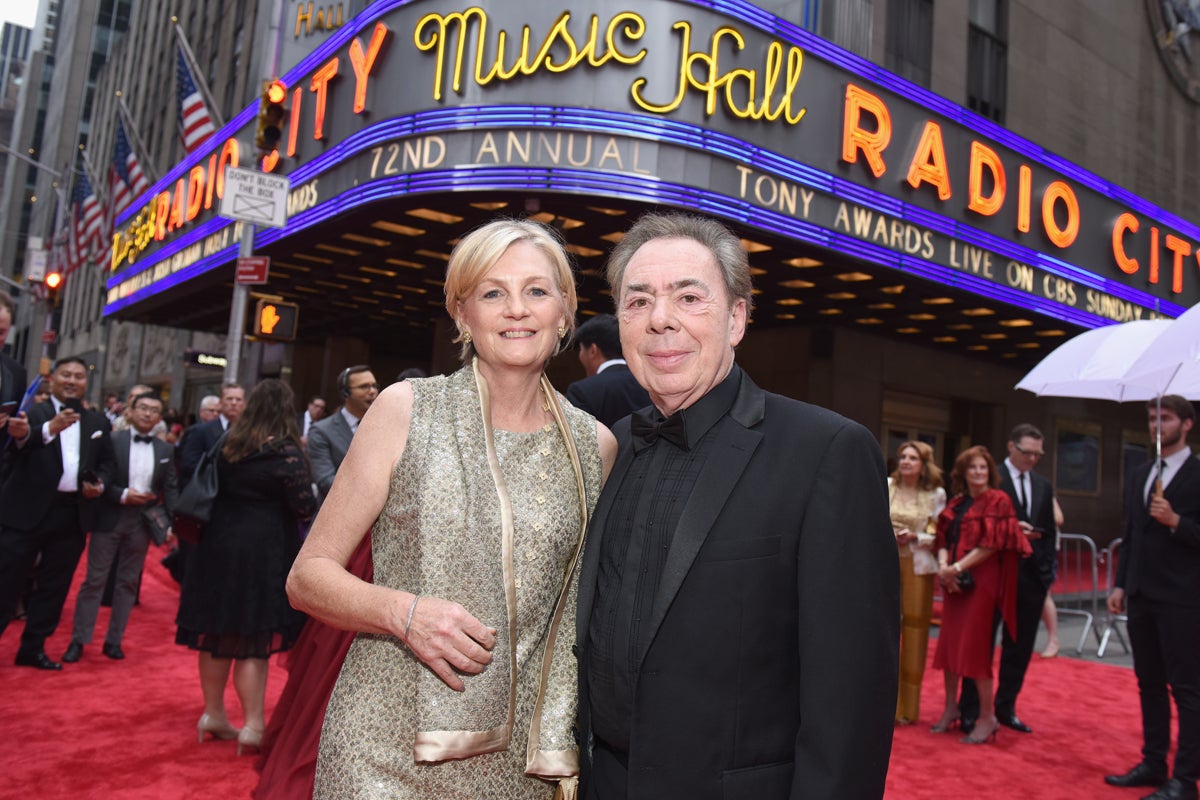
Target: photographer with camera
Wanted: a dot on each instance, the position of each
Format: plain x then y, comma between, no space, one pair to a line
62,458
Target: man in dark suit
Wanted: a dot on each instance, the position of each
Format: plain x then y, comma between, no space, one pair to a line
739,600
12,377
1158,584
609,391
144,478
201,438
1033,498
329,439
62,460
313,412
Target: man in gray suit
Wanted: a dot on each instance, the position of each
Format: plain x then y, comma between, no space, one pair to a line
145,476
329,438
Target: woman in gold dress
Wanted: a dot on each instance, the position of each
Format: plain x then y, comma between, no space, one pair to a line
917,497
477,488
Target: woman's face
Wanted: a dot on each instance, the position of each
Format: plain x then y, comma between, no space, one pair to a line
514,314
909,463
977,475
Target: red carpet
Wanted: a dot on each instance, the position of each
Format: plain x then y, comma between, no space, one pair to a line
105,729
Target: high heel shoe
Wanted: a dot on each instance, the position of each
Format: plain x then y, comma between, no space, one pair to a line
944,726
986,738
249,737
220,729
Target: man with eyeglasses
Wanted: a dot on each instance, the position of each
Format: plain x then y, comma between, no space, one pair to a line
329,438
1033,498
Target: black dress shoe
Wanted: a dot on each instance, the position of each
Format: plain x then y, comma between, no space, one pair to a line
74,652
967,724
37,661
1141,775
113,651
1014,722
1175,789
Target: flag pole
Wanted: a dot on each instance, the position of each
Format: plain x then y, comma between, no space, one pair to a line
149,168
197,76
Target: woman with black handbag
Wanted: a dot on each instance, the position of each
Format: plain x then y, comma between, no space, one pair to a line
978,543
233,606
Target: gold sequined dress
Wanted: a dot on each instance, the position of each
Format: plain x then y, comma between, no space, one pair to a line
492,520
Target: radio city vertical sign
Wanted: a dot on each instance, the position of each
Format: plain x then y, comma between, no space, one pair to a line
722,79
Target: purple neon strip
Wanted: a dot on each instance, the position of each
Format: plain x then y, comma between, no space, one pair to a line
644,189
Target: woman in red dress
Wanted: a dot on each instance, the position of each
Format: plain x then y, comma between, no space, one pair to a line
979,544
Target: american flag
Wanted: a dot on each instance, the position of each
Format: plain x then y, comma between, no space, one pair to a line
86,214
195,123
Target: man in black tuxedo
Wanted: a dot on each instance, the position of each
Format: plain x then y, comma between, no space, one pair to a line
12,376
1033,498
62,460
144,478
609,391
739,599
1158,584
200,438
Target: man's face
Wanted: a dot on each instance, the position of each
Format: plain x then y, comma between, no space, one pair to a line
591,358
5,325
208,413
316,409
363,391
233,401
1172,427
69,382
146,414
678,325
1026,453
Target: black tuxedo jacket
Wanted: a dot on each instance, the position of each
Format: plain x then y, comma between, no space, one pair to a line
772,666
38,467
12,380
1040,565
609,395
197,440
162,481
1153,562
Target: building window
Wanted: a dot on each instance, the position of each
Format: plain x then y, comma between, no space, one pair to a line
909,51
987,58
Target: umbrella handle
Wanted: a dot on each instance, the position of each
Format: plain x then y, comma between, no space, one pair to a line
1158,487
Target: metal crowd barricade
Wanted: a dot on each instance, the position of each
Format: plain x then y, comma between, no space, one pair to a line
1077,588
1109,556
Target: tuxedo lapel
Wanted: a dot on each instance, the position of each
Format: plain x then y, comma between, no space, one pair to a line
734,447
591,556
1006,483
120,441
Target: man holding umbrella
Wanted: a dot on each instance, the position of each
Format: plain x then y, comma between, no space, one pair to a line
1158,572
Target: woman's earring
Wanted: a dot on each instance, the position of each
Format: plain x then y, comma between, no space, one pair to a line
466,337
561,331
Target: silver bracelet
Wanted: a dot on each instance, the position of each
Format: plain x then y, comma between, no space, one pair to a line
408,624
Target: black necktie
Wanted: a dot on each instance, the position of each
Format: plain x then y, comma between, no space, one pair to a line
646,430
141,439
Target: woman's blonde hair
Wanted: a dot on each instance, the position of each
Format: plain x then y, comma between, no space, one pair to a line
478,252
931,473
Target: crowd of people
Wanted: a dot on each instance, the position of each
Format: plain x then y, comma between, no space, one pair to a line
487,588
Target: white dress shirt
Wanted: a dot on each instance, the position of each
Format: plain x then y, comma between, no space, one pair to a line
351,420
141,464
68,440
1173,462
1023,485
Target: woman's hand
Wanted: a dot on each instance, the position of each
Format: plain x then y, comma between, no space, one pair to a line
448,640
905,536
948,577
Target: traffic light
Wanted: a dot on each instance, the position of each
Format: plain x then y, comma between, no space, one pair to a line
53,282
270,123
274,319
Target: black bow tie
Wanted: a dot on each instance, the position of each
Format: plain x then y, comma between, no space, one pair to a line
646,430
141,439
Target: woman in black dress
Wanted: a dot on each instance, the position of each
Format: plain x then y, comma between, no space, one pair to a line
233,607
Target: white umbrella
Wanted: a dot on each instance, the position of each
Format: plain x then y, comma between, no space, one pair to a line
1171,365
1091,364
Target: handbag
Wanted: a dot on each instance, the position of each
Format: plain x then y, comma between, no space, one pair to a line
194,507
157,523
